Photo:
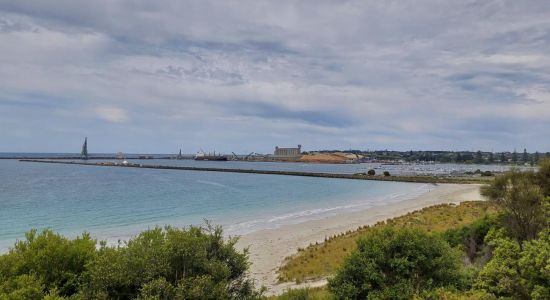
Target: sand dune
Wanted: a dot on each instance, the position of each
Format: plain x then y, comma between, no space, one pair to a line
269,247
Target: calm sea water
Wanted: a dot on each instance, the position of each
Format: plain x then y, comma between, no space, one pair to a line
116,203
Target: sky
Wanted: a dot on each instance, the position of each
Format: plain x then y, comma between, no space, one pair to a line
146,76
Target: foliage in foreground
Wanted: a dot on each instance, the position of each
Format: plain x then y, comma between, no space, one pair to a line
45,263
521,195
516,272
394,263
170,263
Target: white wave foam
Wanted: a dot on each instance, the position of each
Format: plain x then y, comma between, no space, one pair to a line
276,221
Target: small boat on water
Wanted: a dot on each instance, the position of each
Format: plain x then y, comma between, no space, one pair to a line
210,156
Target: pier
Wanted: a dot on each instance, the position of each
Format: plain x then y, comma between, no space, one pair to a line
417,179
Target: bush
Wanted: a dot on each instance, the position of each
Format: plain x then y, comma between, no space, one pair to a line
169,263
21,287
517,272
394,263
192,263
470,238
371,172
386,173
520,195
535,266
543,177
52,261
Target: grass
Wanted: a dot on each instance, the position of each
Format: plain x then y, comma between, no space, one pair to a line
321,260
319,293
322,293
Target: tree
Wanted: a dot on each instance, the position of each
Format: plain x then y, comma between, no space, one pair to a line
479,157
522,200
525,157
491,158
536,157
459,158
502,157
394,263
514,156
371,172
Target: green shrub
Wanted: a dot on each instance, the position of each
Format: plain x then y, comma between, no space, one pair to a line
54,261
470,238
196,263
535,266
371,172
521,197
169,263
543,177
386,173
394,263
517,271
21,287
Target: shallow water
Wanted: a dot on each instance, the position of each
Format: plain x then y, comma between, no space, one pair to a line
116,203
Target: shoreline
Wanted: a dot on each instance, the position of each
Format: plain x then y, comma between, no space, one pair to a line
269,247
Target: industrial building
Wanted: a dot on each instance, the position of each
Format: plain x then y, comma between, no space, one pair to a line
288,152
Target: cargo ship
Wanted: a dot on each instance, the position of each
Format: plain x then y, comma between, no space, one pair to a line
210,156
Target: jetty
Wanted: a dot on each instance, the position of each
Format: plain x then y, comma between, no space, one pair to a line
358,176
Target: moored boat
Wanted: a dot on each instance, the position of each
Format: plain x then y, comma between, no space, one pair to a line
211,156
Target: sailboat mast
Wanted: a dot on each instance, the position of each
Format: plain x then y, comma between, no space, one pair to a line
84,152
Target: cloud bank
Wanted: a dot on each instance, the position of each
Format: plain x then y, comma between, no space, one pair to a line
156,76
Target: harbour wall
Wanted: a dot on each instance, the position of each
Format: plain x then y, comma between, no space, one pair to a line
359,176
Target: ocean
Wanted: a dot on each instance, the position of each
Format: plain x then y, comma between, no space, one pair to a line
117,203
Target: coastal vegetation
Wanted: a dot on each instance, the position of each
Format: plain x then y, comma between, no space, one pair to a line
391,263
161,263
324,259
475,250
504,253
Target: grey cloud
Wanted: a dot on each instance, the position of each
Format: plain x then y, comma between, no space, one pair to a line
366,72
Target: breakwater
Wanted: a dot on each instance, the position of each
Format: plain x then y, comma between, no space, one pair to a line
93,157
417,179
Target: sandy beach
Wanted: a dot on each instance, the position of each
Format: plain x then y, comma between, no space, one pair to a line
269,247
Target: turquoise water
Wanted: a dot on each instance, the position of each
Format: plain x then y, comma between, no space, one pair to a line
116,203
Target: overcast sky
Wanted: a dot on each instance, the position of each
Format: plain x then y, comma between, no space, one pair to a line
156,76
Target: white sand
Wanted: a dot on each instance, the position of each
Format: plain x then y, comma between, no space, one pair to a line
269,247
